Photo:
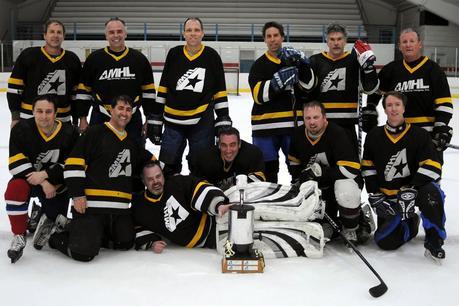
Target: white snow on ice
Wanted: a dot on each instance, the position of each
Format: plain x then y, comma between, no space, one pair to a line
187,277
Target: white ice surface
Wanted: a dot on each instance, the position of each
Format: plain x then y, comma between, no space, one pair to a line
187,277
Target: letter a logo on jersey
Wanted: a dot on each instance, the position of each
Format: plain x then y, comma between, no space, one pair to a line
53,83
174,214
122,165
335,80
397,166
48,157
193,80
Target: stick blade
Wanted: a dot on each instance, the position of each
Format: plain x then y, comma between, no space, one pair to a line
378,290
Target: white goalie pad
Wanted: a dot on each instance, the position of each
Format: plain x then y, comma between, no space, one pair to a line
280,239
275,202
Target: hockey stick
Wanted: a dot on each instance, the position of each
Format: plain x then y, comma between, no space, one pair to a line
359,136
449,145
375,291
293,98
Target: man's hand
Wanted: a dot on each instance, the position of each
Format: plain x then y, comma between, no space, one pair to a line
80,204
48,189
14,122
83,124
36,177
158,246
223,209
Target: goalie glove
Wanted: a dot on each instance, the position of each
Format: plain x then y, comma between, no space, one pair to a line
312,172
369,117
365,55
406,200
154,129
441,137
221,123
284,79
381,206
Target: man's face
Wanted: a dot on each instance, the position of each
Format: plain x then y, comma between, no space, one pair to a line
193,33
273,40
115,34
153,178
394,110
410,46
314,120
229,147
54,36
44,114
336,42
121,115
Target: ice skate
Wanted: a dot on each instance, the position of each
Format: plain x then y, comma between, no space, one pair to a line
17,246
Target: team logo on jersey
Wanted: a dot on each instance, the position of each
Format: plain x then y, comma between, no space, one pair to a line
335,80
193,80
174,214
320,158
53,83
122,165
412,86
123,73
48,157
397,167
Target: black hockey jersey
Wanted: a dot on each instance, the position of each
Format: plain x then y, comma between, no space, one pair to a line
183,213
211,166
106,75
38,73
390,163
31,150
101,167
338,85
332,150
190,84
426,87
272,112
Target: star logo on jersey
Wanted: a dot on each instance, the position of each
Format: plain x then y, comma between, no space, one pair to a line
335,80
192,80
48,157
53,83
397,167
174,214
122,165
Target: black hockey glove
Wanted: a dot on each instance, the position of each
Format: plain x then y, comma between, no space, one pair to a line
365,55
284,79
221,123
312,172
293,57
154,129
406,200
381,206
441,136
369,117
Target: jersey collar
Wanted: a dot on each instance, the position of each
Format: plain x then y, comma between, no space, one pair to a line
193,57
56,131
117,58
395,139
151,197
52,58
324,53
412,70
121,136
272,58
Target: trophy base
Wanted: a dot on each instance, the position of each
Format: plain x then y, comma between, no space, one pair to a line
244,264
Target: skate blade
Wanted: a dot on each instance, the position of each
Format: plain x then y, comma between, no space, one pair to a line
435,260
14,256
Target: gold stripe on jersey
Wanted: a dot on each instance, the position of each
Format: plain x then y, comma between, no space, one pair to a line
324,53
198,234
389,192
107,193
187,113
256,91
82,86
293,160
148,86
26,106
51,58
196,189
260,174
195,56
367,163
162,89
121,135
74,161
430,162
412,70
287,114
50,137
153,200
16,158
220,94
272,58
117,58
348,164
330,105
396,139
419,119
443,100
15,81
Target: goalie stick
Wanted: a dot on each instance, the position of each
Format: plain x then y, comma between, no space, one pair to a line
375,291
449,145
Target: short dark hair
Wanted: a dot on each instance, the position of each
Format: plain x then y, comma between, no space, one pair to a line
396,94
48,97
315,103
193,18
124,98
273,24
336,27
50,22
229,131
116,18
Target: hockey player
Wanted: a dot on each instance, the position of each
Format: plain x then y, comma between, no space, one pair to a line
99,174
38,147
192,87
273,81
112,71
322,152
182,209
41,71
400,168
425,85
340,75
221,164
